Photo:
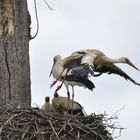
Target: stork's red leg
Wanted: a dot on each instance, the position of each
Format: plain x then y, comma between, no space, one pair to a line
72,99
55,81
58,87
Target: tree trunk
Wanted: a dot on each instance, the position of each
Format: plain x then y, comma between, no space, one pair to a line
14,53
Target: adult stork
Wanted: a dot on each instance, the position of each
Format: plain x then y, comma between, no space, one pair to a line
79,63
104,64
67,69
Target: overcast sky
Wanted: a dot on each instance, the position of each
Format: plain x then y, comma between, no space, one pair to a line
113,26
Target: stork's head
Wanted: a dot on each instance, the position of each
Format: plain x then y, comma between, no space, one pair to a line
127,61
56,95
55,59
47,99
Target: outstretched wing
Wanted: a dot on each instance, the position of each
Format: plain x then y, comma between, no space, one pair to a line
112,68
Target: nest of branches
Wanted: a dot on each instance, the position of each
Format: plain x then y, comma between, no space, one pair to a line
34,124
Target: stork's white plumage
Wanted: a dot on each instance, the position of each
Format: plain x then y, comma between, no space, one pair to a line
60,104
47,106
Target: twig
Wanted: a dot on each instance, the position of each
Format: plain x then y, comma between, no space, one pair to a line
53,130
117,111
63,127
48,5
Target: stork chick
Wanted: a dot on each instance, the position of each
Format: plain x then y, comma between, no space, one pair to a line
47,107
60,104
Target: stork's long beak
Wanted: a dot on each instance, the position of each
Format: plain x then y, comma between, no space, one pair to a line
52,69
132,65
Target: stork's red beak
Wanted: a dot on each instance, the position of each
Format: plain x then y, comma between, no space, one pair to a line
132,65
52,69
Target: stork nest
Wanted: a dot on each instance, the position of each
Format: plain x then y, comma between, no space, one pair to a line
34,124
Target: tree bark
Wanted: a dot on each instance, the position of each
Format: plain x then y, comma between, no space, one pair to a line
14,53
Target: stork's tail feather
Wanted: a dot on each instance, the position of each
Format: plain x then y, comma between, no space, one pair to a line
89,84
85,81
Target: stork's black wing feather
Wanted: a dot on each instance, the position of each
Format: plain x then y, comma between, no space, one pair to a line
83,70
73,63
85,81
112,68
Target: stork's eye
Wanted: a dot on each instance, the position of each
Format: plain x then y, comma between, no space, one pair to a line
126,59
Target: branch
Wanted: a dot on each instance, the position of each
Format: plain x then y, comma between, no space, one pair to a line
37,21
48,5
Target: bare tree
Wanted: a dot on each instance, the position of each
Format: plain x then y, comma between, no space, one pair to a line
14,53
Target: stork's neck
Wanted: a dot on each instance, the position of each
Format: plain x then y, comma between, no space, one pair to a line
58,67
111,60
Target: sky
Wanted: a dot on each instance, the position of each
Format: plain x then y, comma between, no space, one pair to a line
113,26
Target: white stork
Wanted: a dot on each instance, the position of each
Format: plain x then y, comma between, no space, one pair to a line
66,70
47,107
104,64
